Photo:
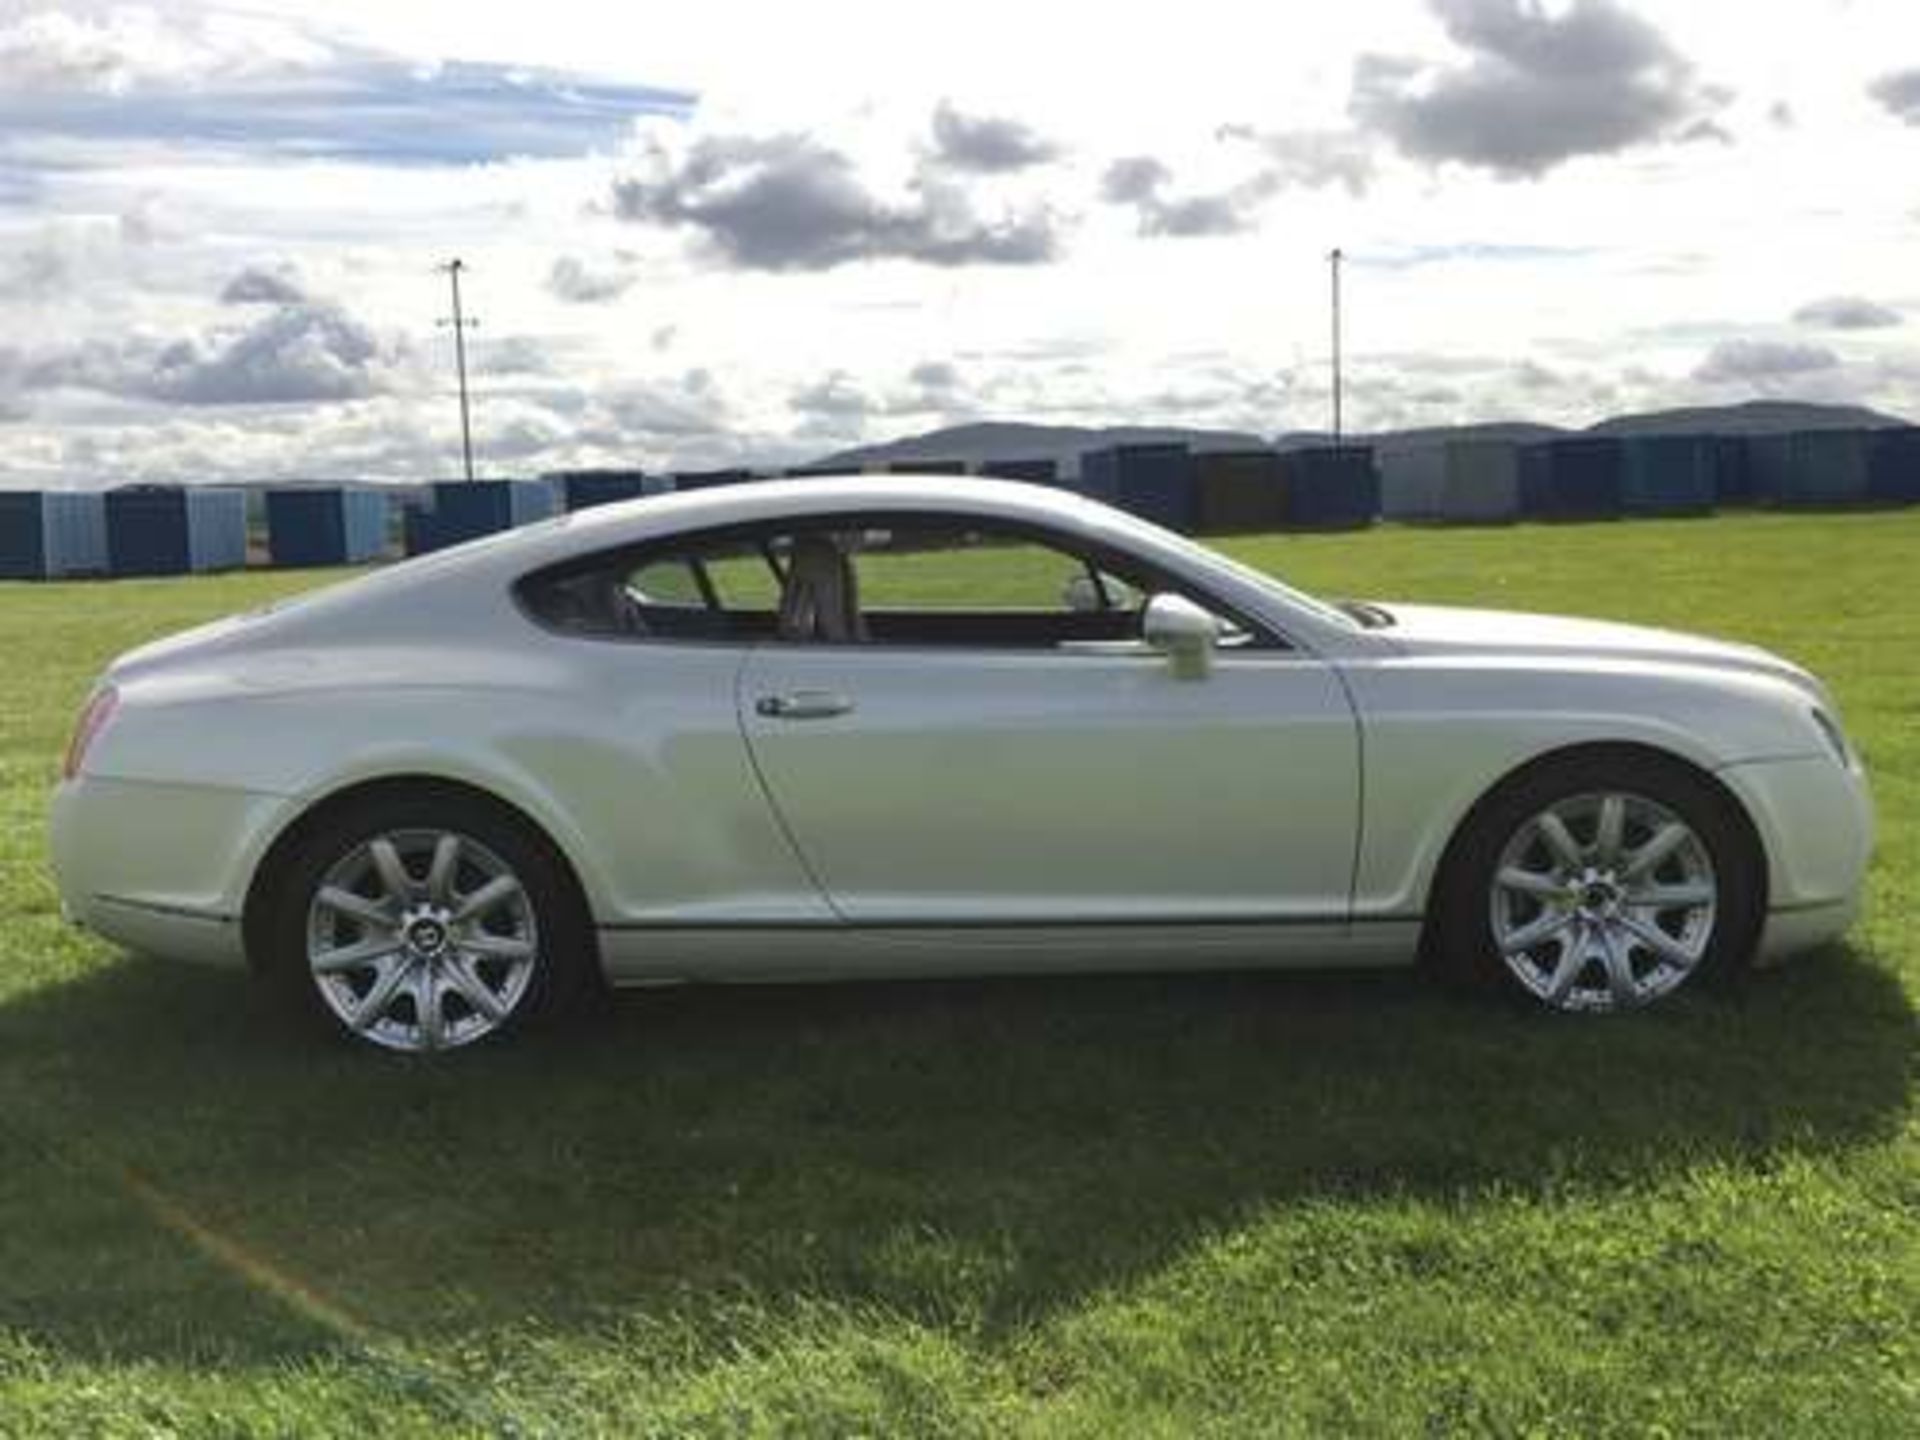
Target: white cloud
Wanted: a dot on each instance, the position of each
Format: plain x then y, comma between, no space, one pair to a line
150,158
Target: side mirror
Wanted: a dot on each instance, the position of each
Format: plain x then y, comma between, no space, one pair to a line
1183,632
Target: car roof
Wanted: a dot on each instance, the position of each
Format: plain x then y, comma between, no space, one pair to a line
751,500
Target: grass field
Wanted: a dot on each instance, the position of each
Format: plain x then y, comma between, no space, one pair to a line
1198,1205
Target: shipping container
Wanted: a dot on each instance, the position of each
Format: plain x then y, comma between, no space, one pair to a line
1412,481
1330,487
710,479
1034,472
1154,482
1237,491
1811,467
1099,477
1480,484
1732,470
462,510
927,467
1572,479
175,530
52,534
1893,470
1667,474
326,525
583,489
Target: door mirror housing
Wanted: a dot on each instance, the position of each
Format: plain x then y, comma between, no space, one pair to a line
1183,632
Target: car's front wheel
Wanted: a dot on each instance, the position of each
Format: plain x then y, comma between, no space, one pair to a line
1601,883
427,922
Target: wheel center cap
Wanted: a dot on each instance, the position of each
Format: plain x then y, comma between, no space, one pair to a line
1597,894
427,936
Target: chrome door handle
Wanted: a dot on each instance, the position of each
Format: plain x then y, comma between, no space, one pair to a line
803,705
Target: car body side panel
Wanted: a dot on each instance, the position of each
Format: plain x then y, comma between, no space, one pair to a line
629,757
1440,734
1011,786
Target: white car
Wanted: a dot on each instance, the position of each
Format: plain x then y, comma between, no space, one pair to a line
774,731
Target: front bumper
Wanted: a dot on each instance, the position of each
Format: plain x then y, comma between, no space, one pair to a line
160,869
1815,821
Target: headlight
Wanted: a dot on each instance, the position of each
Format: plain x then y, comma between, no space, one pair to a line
1830,728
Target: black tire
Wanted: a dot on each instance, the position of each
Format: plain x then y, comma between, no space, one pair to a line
1460,938
564,963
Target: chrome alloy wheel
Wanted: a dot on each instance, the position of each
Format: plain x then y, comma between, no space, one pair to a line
1603,902
421,940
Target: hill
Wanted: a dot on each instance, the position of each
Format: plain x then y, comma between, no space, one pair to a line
1009,440
1754,417
989,440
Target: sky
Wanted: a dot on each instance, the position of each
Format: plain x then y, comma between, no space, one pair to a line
756,233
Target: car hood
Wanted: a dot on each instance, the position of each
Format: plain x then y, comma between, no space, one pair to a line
1444,630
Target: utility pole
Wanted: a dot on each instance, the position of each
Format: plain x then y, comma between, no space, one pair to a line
1333,264
461,324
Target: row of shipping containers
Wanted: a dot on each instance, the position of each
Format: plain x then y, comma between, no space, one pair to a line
1596,477
141,530
168,530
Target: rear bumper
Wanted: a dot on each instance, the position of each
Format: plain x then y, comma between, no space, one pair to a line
160,869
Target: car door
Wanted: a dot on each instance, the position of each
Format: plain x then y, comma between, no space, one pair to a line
932,782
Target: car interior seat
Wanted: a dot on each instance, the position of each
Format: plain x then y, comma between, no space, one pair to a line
820,595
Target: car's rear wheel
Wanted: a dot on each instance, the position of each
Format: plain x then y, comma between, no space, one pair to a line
1601,883
427,923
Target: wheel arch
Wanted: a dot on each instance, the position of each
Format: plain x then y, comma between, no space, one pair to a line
256,910
1626,750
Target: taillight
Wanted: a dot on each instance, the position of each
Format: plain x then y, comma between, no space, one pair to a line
93,719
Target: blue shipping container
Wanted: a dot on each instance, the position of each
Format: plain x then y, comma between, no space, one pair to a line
326,525
1100,476
1893,469
1811,467
1331,487
1667,475
465,510
711,479
1154,482
1036,472
583,489
175,530
1732,470
1572,479
49,534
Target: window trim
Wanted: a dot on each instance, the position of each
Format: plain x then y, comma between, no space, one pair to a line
1264,638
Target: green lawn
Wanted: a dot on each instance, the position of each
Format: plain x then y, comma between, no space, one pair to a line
1240,1204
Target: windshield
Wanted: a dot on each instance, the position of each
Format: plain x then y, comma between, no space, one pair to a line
1120,521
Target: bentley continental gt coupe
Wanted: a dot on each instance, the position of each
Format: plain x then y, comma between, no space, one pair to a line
841,727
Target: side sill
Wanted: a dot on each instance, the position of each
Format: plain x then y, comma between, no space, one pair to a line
653,955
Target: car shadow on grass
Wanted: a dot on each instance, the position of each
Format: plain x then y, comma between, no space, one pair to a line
187,1170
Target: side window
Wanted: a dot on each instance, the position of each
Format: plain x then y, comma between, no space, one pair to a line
719,590
667,580
919,582
911,581
906,568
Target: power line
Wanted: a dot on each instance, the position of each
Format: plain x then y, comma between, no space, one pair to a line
461,324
